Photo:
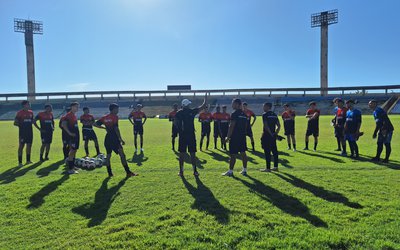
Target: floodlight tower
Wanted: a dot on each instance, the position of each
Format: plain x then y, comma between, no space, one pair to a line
29,27
323,19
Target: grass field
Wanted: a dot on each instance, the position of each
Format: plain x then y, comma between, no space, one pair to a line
318,200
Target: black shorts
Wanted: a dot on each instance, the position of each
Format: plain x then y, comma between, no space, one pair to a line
89,135
205,129
47,137
217,133
289,127
187,143
339,132
224,129
138,129
174,131
249,131
111,144
26,136
73,142
64,137
268,143
314,131
237,145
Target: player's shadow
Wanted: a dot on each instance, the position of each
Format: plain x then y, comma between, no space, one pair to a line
206,201
392,164
138,159
12,174
334,159
218,157
47,170
319,192
199,162
284,202
285,163
98,210
37,199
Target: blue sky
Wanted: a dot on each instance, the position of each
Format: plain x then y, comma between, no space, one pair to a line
147,44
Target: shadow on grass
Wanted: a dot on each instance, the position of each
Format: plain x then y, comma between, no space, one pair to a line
98,210
334,159
138,158
392,164
218,157
206,201
284,202
319,192
37,199
12,174
199,162
47,170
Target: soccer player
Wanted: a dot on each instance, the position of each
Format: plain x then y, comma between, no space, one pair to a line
64,135
217,129
333,122
88,133
46,130
288,123
313,124
23,120
352,127
340,119
184,121
113,140
205,118
237,137
171,117
250,123
136,118
224,126
384,129
271,128
70,126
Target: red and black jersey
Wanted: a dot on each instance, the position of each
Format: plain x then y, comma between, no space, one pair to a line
314,121
110,121
171,115
87,120
249,114
216,116
225,117
137,116
24,119
46,120
288,115
72,122
341,116
205,117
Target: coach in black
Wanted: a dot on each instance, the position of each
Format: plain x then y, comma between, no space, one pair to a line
184,121
271,127
237,137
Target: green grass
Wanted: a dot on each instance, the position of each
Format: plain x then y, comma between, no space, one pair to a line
317,201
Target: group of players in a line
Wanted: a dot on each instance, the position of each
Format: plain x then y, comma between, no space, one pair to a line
230,128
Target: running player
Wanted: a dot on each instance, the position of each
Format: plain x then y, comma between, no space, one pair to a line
352,127
224,126
46,130
64,135
340,119
237,137
88,133
23,120
250,123
184,121
113,140
205,118
171,117
288,123
136,118
70,125
313,124
217,121
268,139
384,129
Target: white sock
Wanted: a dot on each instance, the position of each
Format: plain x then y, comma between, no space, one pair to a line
245,169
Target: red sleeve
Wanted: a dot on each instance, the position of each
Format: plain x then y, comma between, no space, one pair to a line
308,112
